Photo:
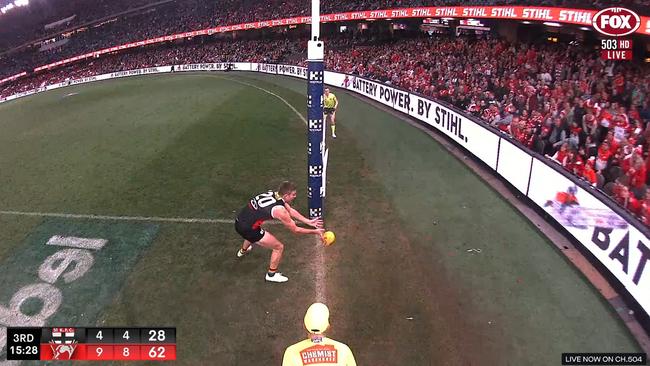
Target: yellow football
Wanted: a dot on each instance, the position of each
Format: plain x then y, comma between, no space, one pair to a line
329,237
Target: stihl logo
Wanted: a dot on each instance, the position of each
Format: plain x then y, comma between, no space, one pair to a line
616,22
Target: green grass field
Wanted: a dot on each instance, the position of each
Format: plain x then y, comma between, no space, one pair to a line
402,289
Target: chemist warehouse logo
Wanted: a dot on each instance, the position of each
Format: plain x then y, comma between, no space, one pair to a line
319,355
616,22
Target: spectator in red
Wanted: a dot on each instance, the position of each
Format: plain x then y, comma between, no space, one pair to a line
562,156
624,198
644,209
588,172
604,153
636,171
590,126
574,163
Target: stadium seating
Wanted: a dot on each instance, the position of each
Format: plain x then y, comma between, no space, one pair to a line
591,116
176,16
24,24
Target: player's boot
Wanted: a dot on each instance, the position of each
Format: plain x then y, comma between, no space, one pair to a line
333,135
277,277
241,253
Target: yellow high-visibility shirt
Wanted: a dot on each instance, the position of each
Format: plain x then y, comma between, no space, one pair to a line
319,352
329,101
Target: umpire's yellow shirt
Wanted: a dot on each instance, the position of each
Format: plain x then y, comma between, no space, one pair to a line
318,352
330,101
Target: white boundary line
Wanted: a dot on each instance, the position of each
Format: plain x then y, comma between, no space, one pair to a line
183,220
320,283
268,92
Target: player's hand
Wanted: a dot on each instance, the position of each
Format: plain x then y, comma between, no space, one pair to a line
322,236
317,223
320,232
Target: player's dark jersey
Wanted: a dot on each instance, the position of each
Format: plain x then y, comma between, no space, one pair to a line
259,209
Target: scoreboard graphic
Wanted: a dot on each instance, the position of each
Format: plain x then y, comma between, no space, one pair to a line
91,344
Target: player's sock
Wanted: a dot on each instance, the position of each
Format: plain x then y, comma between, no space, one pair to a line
272,272
333,129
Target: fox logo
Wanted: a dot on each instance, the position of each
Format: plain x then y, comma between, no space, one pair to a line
616,22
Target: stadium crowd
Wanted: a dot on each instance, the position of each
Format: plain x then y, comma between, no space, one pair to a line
175,16
590,116
244,50
24,24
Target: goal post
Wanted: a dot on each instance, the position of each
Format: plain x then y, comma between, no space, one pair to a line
316,149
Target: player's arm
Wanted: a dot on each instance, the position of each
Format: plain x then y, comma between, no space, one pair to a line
317,223
283,215
336,102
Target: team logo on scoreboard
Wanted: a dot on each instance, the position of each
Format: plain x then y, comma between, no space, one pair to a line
616,22
63,343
